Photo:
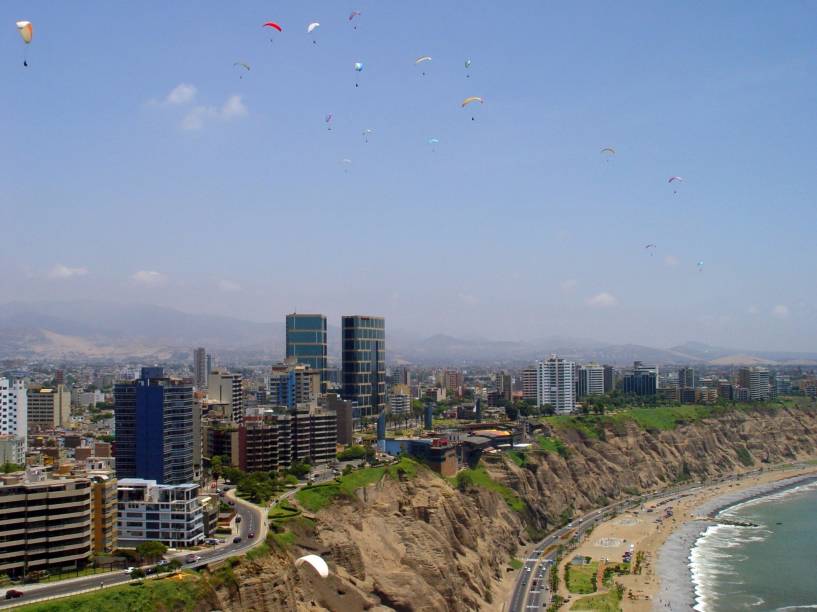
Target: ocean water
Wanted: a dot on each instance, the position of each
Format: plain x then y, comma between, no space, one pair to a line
770,567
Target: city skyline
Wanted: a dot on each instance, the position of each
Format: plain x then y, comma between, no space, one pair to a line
183,136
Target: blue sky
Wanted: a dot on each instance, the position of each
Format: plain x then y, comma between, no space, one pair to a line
230,196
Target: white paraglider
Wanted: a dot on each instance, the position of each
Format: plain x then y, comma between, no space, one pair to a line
318,564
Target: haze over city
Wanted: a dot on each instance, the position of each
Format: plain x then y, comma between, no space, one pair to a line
140,164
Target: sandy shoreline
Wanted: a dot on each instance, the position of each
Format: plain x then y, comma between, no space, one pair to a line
664,531
673,566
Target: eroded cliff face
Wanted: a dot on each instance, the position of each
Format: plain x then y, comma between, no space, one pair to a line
421,544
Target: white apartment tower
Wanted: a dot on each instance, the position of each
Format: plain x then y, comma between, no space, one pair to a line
14,409
555,384
591,380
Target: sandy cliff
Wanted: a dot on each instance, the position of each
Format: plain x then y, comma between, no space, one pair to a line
421,544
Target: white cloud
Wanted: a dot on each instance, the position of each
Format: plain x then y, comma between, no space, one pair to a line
780,311
233,108
149,278
183,93
568,286
62,271
228,286
671,260
602,300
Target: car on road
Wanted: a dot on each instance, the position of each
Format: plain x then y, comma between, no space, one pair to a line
191,558
129,570
162,562
238,519
251,535
212,541
13,594
237,540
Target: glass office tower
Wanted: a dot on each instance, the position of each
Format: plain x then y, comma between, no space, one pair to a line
306,342
364,363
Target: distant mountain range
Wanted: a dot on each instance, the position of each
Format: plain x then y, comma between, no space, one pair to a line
113,331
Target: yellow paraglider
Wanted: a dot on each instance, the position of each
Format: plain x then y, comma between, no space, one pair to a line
26,30
471,99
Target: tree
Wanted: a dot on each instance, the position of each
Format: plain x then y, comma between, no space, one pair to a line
512,412
216,465
8,468
299,469
137,573
151,551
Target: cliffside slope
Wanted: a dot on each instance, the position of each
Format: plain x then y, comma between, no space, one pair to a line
418,542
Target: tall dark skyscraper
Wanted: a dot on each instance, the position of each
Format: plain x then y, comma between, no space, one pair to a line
154,428
364,362
306,342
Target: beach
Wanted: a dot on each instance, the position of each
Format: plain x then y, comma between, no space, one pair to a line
664,530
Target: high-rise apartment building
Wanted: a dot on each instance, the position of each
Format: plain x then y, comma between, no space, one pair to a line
399,403
756,380
13,409
401,375
687,378
154,428
44,525
555,385
504,384
453,380
200,369
48,408
226,388
529,388
291,383
609,378
364,362
591,380
272,440
306,342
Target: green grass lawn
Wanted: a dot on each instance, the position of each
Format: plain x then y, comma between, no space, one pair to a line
165,594
580,577
320,496
551,445
283,510
515,563
604,602
480,478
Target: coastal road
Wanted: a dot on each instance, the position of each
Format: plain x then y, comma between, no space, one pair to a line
253,521
531,592
531,589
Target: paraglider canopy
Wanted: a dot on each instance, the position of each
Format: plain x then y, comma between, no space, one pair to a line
312,26
470,99
468,63
433,141
272,24
608,150
422,58
354,14
26,30
242,64
318,564
359,66
673,179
